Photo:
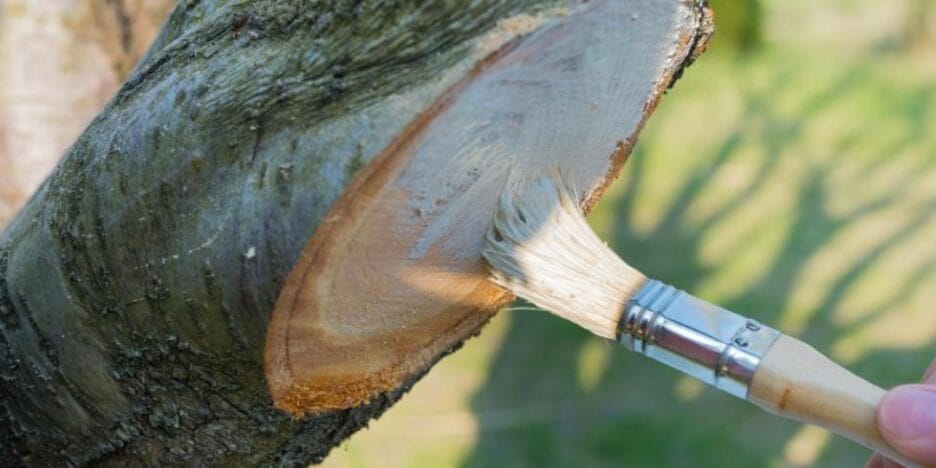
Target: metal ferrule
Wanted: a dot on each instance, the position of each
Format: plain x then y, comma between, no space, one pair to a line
705,341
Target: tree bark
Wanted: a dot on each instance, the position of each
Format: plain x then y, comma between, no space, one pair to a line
137,284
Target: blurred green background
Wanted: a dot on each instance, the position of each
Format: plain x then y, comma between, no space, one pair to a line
790,175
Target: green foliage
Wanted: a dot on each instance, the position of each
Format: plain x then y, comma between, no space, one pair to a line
738,25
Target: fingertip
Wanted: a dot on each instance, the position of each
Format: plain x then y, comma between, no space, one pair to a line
907,419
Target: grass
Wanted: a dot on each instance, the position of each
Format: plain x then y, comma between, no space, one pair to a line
796,185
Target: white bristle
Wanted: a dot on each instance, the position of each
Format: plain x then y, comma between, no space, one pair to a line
542,249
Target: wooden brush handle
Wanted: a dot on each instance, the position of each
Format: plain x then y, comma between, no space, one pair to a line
796,381
745,358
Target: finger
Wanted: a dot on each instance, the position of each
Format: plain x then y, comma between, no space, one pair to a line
907,419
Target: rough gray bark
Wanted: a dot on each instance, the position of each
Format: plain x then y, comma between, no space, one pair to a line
136,285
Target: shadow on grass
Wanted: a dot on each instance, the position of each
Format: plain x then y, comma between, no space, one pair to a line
541,404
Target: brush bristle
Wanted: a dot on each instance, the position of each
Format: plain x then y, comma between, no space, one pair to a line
541,248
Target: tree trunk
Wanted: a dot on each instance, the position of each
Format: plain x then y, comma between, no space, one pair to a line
137,284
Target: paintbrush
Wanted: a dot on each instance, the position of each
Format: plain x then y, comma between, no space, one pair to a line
541,248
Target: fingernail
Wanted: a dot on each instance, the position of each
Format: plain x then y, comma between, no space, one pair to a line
908,412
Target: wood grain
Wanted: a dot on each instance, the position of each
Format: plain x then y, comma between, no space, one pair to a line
393,278
797,382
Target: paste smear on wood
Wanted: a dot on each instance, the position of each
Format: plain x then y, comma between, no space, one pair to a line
394,277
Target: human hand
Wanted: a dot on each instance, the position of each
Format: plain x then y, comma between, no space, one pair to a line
906,418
